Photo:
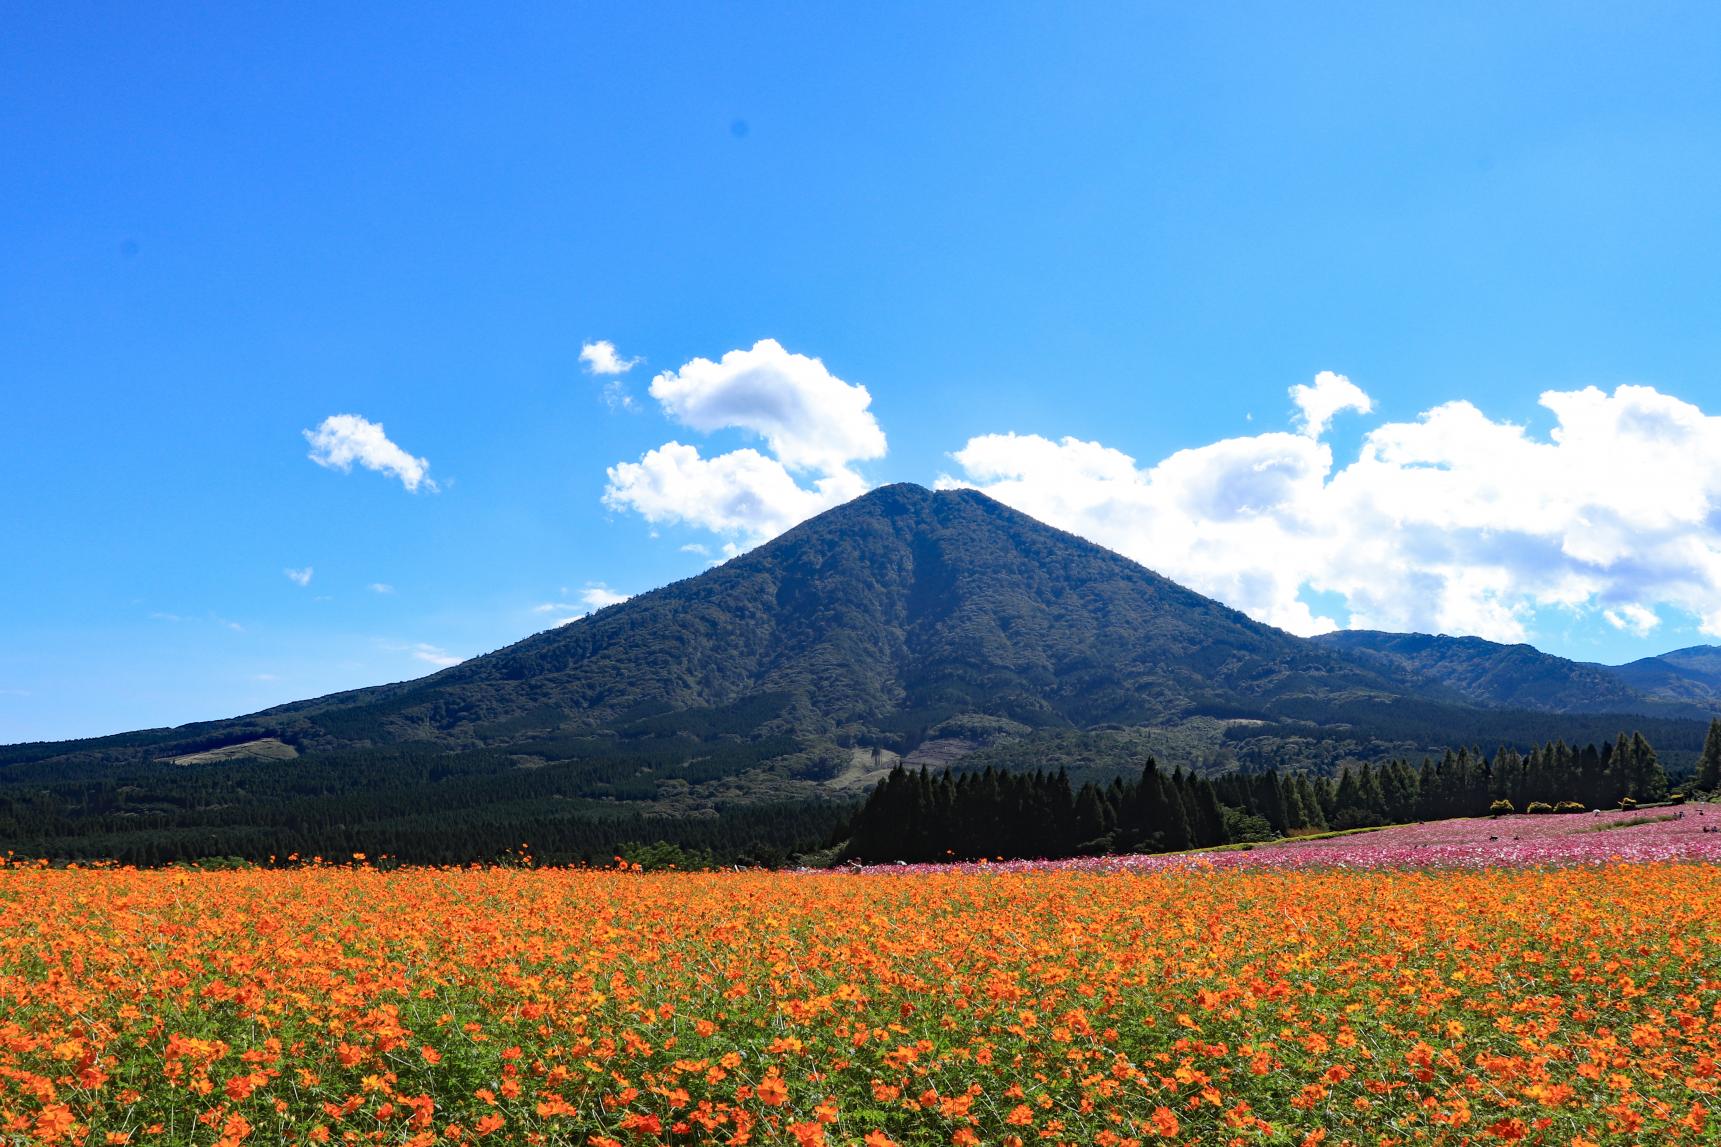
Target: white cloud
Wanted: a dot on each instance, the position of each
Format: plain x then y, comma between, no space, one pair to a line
600,357
1329,395
1633,618
343,439
810,419
435,655
594,597
299,577
742,493
616,396
225,623
381,587
814,425
1454,522
600,596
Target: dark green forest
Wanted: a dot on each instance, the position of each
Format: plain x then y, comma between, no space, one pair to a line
917,816
417,803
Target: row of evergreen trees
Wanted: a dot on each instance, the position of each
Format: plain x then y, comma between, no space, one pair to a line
917,816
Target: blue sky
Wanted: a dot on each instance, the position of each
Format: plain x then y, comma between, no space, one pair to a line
1116,232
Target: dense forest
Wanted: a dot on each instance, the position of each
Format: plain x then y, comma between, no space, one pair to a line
414,802
918,816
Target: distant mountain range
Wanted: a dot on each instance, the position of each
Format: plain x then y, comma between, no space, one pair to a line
1685,682
941,626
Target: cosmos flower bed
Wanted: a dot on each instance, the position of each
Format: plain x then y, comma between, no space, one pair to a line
1250,1005
1507,841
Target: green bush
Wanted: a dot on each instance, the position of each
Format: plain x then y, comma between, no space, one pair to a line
661,855
1539,807
1501,807
1570,806
1628,802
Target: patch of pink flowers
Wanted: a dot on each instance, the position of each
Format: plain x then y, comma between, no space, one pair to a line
1555,839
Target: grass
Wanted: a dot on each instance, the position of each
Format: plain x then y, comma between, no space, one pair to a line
268,749
1633,822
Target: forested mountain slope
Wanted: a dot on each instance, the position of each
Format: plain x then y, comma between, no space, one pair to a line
934,626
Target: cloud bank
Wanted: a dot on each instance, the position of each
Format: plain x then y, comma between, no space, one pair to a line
343,439
814,427
1453,522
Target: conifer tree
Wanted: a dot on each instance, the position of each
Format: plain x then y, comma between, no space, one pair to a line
1708,777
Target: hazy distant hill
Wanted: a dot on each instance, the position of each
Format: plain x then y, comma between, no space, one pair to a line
1512,676
1684,683
1691,676
943,626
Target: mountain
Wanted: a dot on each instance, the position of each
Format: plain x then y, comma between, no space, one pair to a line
738,705
1684,683
1489,673
1691,676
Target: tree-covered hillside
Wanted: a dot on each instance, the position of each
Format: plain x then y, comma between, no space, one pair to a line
935,627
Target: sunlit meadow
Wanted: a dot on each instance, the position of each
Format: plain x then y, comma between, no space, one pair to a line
1260,1004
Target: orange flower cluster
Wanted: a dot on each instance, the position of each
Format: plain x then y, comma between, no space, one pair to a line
322,1005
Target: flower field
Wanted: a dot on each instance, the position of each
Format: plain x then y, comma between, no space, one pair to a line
1242,1005
1611,837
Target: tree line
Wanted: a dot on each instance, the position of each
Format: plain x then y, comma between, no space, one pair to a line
914,815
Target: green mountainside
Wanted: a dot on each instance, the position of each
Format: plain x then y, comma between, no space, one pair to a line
1684,683
1689,676
748,707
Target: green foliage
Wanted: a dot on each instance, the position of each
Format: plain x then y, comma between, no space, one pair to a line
662,856
915,816
1708,777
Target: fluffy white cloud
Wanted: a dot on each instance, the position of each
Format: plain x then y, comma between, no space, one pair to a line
299,577
1454,522
381,587
1330,394
600,357
601,596
814,426
741,493
810,418
343,439
1633,618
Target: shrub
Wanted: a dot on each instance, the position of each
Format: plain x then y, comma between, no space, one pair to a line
1675,798
1243,826
1539,807
661,855
1570,806
1501,808
1628,802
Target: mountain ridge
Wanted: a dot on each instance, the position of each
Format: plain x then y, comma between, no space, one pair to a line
747,705
959,604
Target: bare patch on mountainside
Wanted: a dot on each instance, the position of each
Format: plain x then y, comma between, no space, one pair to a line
267,749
